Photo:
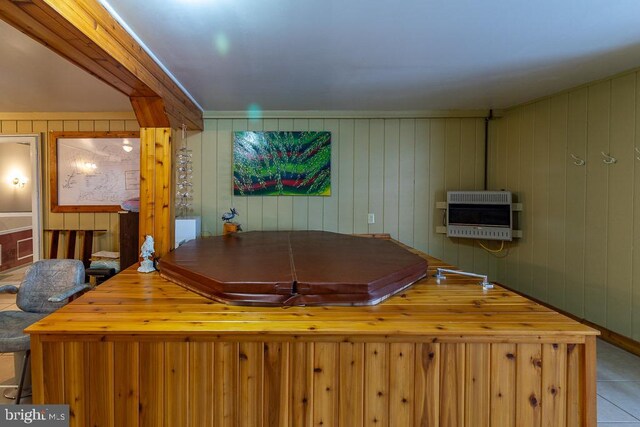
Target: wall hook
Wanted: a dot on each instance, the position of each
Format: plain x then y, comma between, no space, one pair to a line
638,153
577,160
608,159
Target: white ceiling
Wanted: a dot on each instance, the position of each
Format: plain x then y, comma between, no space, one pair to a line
345,54
33,78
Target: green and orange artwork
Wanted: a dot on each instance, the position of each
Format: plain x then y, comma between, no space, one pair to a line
282,163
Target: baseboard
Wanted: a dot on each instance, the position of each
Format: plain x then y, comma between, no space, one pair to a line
625,343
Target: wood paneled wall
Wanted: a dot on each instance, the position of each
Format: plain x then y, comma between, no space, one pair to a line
394,168
276,383
581,246
38,123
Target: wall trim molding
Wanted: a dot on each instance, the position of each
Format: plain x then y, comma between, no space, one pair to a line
344,114
67,115
15,214
624,342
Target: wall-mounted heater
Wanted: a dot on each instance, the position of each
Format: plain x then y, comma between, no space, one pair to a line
479,215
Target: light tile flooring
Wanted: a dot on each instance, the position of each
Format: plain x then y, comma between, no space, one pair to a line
618,374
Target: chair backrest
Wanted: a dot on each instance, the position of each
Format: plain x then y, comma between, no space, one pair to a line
46,278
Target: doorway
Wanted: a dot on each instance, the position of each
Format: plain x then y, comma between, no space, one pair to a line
20,204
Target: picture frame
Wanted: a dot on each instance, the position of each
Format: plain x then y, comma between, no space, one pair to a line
93,171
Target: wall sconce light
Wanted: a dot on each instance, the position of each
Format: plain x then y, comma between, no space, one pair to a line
126,146
19,182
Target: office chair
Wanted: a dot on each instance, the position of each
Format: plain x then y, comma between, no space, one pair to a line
46,286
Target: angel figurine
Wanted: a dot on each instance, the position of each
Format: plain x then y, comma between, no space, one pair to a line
146,251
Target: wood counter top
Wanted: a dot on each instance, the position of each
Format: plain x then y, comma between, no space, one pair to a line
457,310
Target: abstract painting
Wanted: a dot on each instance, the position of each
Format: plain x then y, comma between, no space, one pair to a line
282,163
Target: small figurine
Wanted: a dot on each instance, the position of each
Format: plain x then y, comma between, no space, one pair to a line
228,216
146,251
230,227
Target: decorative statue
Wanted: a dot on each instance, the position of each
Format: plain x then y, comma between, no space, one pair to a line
228,216
146,251
230,227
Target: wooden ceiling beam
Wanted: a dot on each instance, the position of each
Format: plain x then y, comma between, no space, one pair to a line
83,32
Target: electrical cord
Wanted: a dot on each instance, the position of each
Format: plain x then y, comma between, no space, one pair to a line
493,251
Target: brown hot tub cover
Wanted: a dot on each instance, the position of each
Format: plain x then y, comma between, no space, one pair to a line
283,268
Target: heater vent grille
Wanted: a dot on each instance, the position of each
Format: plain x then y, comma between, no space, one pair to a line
483,197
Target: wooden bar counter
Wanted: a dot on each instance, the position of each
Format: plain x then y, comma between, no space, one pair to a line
142,351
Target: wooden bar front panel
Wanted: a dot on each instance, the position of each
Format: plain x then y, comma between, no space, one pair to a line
274,383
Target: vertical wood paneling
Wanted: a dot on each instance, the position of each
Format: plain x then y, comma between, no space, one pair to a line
558,164
427,384
376,374
529,384
525,244
152,400
176,386
554,384
345,171
477,385
575,384
575,203
437,188
503,379
597,175
250,370
74,391
201,388
452,380
620,203
422,210
53,357
325,384
224,168
301,393
226,384
584,217
361,176
539,217
401,384
100,383
407,181
376,174
391,176
351,377
126,365
276,391
209,190
635,312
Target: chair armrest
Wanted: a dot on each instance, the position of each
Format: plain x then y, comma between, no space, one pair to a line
8,289
68,294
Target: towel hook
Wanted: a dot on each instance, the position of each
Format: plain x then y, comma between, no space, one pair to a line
608,159
577,160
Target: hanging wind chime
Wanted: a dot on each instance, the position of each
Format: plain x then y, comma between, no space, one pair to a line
184,184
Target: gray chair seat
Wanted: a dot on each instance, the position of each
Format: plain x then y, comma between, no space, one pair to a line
12,323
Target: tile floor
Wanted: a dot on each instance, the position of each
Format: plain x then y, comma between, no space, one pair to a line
618,374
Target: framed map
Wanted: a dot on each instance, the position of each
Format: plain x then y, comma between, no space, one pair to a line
93,171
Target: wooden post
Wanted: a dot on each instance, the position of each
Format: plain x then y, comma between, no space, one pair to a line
156,206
